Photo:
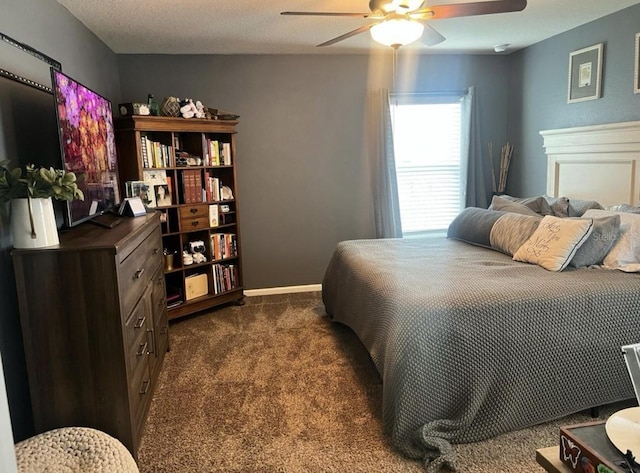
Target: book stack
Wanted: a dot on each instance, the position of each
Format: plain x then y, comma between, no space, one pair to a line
225,277
224,245
191,186
154,153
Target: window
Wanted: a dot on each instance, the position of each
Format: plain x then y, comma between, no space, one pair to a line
427,135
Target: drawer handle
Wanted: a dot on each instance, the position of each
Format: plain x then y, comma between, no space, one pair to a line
138,274
145,386
141,321
195,223
156,251
143,349
193,210
160,281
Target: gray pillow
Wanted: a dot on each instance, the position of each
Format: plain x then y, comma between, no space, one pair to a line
578,207
538,204
559,205
505,205
593,251
624,208
473,225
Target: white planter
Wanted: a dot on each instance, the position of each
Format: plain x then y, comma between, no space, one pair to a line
45,231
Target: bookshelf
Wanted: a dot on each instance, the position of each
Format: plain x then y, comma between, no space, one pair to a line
185,170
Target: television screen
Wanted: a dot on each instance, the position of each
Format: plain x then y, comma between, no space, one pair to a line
87,144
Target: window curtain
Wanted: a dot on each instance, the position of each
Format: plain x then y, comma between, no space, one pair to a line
383,168
476,187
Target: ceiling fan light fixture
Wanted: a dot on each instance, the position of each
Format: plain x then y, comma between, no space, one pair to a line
397,32
395,5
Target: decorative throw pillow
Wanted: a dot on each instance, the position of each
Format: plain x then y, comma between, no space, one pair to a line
625,252
605,232
511,230
555,242
505,205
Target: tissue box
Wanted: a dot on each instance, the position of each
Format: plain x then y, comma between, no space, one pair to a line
196,285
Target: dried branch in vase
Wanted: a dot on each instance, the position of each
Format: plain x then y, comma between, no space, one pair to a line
506,152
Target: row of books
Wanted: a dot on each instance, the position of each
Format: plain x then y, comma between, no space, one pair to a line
217,153
192,186
158,155
224,245
225,277
154,153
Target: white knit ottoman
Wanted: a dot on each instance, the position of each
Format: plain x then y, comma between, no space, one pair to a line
74,450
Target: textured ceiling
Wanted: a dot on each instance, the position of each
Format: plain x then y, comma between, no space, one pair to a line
256,26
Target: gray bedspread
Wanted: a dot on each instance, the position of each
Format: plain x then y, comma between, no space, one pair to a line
470,344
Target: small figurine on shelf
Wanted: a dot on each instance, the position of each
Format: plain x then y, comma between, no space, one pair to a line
189,109
154,109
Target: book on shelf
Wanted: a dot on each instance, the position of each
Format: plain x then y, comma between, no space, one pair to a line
213,148
144,151
226,154
213,215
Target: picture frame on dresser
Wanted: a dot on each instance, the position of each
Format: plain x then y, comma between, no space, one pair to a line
585,74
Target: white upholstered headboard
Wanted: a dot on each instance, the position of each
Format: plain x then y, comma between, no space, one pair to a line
598,162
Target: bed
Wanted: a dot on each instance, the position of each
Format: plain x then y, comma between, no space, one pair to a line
470,343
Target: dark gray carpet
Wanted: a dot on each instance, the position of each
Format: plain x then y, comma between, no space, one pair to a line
274,386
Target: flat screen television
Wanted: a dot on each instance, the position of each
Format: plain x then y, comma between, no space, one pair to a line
87,145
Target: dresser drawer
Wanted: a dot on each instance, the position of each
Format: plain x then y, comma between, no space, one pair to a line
140,393
136,325
137,269
194,217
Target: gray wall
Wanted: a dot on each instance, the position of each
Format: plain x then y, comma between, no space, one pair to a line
49,28
304,181
539,92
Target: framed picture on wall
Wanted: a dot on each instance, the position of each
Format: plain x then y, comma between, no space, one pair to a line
585,73
636,66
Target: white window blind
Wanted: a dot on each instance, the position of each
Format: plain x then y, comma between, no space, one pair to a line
427,145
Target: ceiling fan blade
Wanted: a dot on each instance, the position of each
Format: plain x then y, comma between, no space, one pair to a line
431,37
362,29
328,13
436,12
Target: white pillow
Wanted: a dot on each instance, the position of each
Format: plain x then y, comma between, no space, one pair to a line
554,242
625,252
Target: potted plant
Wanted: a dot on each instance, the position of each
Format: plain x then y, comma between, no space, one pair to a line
30,193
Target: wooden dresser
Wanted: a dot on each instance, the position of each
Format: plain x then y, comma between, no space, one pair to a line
94,323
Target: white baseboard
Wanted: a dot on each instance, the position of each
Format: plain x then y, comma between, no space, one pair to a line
269,291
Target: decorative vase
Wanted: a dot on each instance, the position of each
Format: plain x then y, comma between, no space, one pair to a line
33,223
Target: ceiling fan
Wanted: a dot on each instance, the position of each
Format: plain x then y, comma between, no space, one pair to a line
400,22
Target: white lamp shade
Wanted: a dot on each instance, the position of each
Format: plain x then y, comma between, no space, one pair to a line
397,32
